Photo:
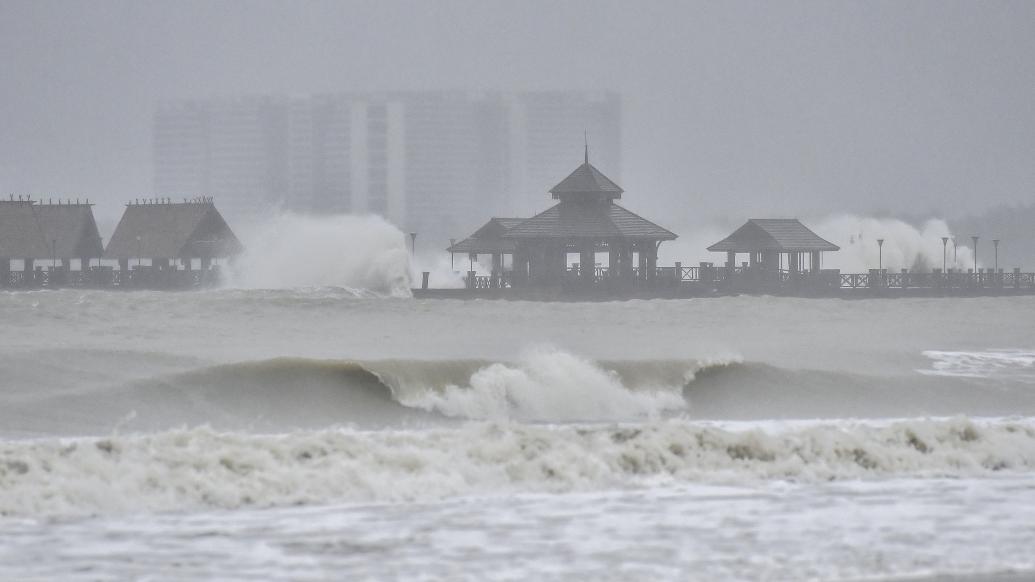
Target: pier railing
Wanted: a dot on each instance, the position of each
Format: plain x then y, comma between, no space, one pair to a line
104,277
747,279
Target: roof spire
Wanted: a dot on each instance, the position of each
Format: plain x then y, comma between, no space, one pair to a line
585,137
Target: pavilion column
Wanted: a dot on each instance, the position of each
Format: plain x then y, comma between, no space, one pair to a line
642,254
520,267
613,258
559,258
123,265
771,260
792,262
652,260
587,261
815,262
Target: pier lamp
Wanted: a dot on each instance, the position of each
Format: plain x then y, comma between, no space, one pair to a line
880,254
955,260
945,242
995,243
452,243
413,243
975,239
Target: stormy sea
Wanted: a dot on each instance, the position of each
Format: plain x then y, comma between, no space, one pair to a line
327,434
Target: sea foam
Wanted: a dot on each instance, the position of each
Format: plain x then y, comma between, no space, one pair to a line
197,468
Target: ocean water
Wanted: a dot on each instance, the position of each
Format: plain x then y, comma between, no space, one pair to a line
325,434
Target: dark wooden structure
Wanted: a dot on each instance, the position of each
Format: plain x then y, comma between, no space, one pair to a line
32,231
21,238
163,231
585,221
70,231
767,241
488,240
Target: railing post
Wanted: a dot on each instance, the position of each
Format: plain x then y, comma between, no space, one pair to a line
679,272
470,280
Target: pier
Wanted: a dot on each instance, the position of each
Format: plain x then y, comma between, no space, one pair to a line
158,244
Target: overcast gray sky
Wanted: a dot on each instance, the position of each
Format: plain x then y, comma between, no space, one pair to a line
731,108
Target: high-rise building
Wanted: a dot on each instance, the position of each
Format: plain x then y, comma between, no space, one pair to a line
431,162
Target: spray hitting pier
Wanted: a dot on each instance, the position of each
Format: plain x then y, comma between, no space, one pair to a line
532,258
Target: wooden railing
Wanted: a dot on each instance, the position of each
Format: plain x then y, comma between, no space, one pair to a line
109,278
748,278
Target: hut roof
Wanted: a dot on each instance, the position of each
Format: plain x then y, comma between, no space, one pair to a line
488,239
172,230
600,220
586,182
20,234
71,228
773,234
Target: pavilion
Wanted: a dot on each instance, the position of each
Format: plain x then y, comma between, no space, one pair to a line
585,221
768,241
162,231
488,240
70,231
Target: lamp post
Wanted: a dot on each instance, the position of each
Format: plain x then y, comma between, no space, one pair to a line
955,259
452,243
880,254
975,239
413,243
995,243
945,242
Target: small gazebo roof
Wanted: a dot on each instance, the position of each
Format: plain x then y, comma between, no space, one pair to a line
605,220
586,182
170,230
773,234
488,239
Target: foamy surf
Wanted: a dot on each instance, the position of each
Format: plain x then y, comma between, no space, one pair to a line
1011,364
198,468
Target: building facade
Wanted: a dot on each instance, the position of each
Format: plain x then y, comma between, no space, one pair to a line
430,162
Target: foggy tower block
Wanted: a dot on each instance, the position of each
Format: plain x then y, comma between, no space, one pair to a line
431,162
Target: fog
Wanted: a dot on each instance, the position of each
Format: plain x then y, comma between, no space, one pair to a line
729,109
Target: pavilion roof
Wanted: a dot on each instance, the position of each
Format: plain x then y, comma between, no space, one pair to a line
172,230
773,234
586,182
71,228
488,239
20,234
598,220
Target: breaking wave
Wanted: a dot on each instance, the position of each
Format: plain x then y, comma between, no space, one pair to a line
199,468
364,254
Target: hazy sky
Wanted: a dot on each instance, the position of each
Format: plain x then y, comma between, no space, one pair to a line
730,108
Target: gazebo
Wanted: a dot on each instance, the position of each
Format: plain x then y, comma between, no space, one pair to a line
163,231
585,221
488,240
768,240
